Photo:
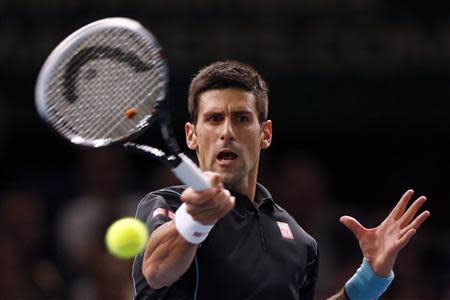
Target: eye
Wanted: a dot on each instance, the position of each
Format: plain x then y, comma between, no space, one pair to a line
243,118
214,118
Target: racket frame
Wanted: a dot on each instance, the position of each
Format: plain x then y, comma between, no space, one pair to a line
72,41
183,167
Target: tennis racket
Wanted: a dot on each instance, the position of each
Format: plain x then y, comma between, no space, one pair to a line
105,84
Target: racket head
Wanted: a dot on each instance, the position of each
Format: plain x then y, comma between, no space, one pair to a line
103,83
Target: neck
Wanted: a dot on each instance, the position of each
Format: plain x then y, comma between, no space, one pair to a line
245,189
244,184
247,185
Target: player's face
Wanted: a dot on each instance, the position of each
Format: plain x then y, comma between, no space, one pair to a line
228,137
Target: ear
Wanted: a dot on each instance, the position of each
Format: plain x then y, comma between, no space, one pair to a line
191,137
266,134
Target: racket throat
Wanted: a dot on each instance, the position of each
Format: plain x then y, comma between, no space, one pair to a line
172,161
166,129
183,167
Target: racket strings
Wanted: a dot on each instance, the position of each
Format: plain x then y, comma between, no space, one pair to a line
149,90
100,105
122,125
76,112
122,71
117,121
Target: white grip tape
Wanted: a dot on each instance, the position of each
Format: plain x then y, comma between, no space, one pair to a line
188,172
191,230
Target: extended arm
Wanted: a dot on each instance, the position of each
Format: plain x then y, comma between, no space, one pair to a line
338,296
168,255
381,245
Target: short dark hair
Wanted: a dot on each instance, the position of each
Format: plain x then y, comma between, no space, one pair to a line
229,74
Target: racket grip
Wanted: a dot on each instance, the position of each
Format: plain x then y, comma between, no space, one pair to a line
189,173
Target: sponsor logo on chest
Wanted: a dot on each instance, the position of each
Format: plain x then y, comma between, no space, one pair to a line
285,230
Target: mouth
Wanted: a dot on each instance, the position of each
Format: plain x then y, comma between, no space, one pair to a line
226,156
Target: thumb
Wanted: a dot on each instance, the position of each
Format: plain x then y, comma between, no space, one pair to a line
213,177
353,225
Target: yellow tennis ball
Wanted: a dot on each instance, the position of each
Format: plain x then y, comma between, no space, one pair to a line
126,237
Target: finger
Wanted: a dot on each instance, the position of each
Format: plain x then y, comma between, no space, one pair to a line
224,201
190,196
195,211
354,226
212,214
218,202
198,198
213,177
405,239
218,214
411,212
401,205
416,223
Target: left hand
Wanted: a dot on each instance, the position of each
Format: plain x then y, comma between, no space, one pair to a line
381,245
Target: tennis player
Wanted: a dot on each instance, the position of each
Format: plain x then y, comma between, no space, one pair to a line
233,241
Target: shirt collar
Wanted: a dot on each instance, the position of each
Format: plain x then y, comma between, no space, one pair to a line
262,198
262,195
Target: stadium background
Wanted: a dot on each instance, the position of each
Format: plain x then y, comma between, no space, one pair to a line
359,96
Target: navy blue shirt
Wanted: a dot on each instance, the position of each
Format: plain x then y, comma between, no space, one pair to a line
257,251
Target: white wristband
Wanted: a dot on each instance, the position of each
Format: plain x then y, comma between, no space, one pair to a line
191,230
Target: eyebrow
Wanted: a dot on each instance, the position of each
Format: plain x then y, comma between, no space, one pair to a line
235,112
241,112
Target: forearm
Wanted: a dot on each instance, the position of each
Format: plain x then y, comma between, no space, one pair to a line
364,284
338,296
167,256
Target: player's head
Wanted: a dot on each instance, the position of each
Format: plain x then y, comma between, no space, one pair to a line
229,74
228,105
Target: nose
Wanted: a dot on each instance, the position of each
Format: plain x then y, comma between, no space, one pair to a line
227,132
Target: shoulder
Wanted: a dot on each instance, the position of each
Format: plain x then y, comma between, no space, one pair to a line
168,198
168,193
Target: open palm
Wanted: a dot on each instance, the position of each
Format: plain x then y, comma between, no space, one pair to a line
380,245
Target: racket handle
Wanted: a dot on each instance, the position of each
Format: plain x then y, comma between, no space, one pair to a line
189,173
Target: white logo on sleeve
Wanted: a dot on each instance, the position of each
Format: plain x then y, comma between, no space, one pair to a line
285,230
163,212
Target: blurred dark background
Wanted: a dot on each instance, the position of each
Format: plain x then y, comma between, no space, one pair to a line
359,97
